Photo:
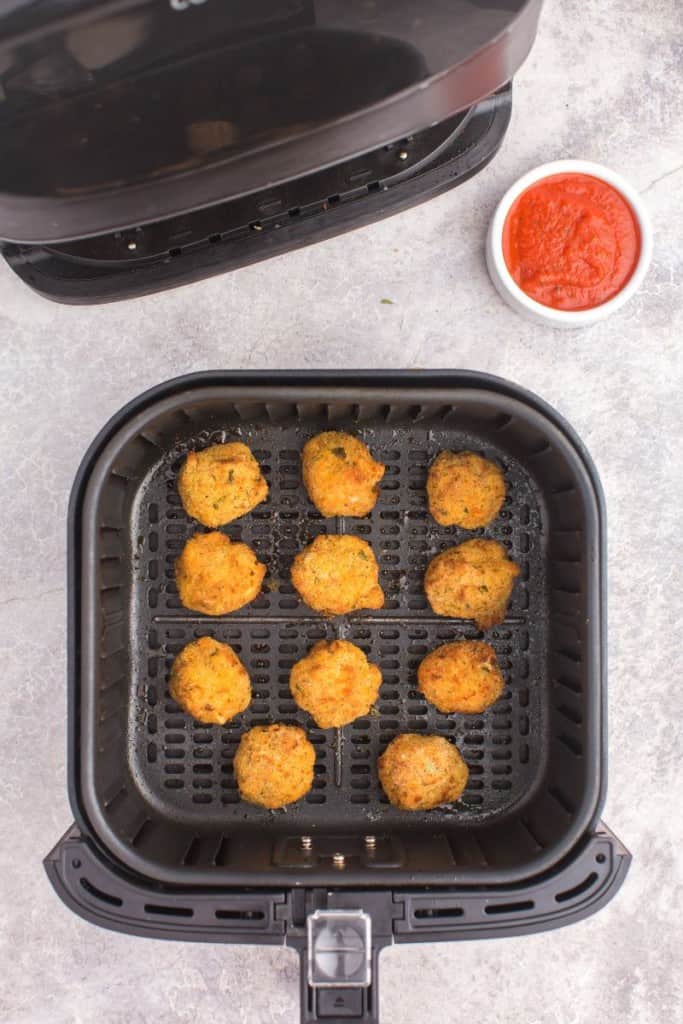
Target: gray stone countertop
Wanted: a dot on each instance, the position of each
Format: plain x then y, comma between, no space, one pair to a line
604,83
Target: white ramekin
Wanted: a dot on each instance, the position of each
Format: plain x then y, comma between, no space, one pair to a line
510,291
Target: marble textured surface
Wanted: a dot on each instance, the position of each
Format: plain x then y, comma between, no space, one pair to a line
603,83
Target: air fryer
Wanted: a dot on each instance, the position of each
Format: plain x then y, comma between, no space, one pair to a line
153,142
163,846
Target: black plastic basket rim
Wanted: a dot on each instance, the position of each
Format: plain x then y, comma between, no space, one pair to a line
324,384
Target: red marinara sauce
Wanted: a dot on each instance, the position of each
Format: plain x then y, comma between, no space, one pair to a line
571,241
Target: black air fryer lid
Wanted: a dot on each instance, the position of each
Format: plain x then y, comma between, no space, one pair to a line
119,114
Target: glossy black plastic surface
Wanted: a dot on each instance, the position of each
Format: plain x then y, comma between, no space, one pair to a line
156,791
266,223
117,114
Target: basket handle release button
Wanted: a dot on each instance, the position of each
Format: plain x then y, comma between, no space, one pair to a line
339,955
340,1002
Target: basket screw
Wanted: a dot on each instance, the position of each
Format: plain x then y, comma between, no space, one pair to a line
403,155
131,246
339,860
371,842
306,842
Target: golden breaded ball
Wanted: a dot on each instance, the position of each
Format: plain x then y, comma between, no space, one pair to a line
216,575
338,574
340,474
463,489
274,765
462,676
471,581
335,683
221,483
421,772
210,682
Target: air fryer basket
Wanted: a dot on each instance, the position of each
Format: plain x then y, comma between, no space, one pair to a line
153,791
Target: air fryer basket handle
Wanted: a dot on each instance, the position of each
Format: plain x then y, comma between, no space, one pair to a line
339,959
340,1005
96,889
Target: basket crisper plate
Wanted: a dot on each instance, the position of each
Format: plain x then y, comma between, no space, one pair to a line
156,789
185,768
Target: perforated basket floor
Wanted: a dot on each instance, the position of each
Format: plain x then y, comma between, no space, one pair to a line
186,770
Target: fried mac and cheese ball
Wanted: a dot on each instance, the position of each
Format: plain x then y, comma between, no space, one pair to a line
216,575
471,581
340,474
418,773
338,574
462,676
464,489
210,682
221,483
335,683
274,765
